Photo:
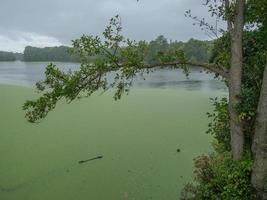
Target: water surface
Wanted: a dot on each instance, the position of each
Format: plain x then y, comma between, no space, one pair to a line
137,136
28,73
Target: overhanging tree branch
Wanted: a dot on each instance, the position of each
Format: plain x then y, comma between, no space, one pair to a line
126,61
209,67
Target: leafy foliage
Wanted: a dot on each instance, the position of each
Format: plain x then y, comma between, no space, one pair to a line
193,50
217,176
123,57
255,52
257,12
220,53
254,45
219,127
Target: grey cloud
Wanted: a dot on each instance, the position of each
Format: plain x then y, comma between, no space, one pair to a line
68,19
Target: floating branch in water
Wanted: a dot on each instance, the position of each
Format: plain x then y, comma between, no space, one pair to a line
95,158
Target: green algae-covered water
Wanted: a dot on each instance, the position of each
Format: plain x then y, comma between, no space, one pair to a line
137,136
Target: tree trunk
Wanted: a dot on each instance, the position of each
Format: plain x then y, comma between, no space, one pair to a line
259,146
237,136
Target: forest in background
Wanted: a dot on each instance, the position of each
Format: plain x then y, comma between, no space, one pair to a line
10,56
195,50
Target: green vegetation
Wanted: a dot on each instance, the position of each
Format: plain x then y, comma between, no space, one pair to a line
19,56
239,57
195,50
218,176
60,54
9,56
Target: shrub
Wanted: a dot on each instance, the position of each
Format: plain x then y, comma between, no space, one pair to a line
217,176
219,126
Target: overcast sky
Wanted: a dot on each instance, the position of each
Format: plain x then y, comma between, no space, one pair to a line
56,22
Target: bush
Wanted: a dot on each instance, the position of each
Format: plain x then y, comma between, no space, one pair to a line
217,177
219,127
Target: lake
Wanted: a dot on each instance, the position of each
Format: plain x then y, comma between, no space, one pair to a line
28,73
137,136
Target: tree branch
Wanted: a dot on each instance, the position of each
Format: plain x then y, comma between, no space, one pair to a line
210,67
91,77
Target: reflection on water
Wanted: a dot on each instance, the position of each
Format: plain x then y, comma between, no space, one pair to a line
28,73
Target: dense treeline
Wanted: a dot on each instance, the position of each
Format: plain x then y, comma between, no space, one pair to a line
10,56
19,56
195,51
60,53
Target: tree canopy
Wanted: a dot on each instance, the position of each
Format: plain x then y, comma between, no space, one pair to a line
113,54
